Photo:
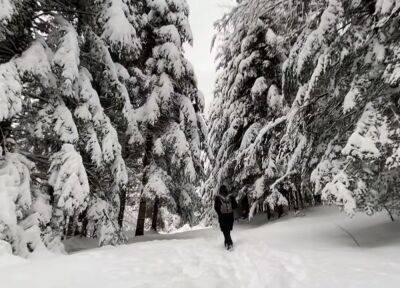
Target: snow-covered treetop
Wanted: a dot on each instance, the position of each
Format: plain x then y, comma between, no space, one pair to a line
171,28
175,12
119,27
170,74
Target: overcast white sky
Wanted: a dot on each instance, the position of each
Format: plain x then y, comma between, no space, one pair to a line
203,14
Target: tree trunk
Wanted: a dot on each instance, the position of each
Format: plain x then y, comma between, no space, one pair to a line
70,227
142,205
85,223
299,190
268,212
155,214
300,200
295,197
303,204
280,211
290,200
122,204
141,218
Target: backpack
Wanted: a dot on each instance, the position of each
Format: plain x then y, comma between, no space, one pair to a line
226,205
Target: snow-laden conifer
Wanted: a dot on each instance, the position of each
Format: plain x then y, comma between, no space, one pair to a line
169,119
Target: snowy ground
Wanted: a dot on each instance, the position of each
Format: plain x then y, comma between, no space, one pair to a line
309,251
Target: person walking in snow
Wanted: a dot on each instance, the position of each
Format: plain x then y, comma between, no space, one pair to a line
224,205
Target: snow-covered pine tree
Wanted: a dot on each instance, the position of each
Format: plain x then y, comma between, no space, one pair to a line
169,120
112,39
340,82
60,99
19,224
97,136
98,140
102,144
341,78
249,112
14,22
83,85
58,75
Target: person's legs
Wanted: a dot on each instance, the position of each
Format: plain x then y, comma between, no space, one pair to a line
230,228
224,229
226,237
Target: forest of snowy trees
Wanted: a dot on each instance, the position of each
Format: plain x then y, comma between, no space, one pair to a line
100,113
99,110
307,105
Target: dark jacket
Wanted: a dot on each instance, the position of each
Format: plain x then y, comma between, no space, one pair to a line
225,220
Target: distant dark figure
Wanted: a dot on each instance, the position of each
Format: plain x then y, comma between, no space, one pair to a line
224,205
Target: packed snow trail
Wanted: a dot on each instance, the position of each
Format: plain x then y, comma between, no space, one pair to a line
174,263
310,251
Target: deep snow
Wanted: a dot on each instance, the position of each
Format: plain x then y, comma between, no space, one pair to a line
306,251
